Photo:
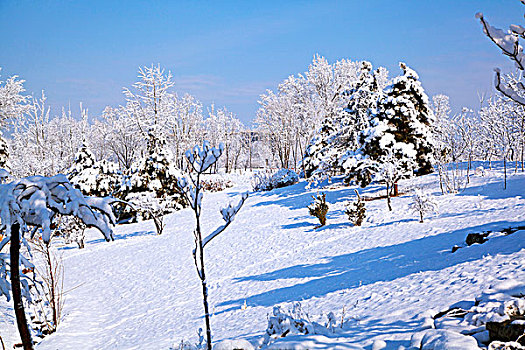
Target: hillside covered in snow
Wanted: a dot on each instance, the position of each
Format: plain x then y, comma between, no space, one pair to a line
373,286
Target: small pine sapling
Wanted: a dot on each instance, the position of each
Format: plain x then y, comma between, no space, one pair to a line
319,208
423,204
356,210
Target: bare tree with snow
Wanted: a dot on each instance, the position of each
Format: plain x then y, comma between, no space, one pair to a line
201,159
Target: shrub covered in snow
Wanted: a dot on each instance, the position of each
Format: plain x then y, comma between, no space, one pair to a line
319,208
356,210
94,178
423,203
215,184
262,181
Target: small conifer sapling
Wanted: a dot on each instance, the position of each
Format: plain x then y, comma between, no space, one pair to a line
319,208
356,210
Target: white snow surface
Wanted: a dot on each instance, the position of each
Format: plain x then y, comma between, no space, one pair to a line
390,275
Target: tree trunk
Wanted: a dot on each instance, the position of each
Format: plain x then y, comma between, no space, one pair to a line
421,217
21,320
505,171
441,179
388,197
200,269
396,190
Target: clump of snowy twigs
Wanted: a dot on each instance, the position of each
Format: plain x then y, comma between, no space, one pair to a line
200,160
423,203
296,321
319,208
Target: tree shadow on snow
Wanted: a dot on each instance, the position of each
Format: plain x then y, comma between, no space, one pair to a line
388,263
123,236
495,190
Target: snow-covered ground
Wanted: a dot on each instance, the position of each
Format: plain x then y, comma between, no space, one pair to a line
142,291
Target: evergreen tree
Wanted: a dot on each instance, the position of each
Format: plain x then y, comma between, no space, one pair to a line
93,178
399,133
339,134
152,185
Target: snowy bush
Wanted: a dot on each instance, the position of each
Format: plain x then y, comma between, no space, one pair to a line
422,204
319,208
356,210
262,181
215,184
72,229
283,178
295,321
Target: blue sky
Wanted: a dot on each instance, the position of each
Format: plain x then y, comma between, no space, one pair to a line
229,52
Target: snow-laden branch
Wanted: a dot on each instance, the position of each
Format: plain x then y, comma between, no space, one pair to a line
508,43
202,158
228,214
36,200
508,91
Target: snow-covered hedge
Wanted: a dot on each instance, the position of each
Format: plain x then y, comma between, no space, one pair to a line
264,182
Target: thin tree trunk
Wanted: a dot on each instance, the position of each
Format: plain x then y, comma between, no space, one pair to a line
21,320
421,217
388,197
396,190
505,171
200,269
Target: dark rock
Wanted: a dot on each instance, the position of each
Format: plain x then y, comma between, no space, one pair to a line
476,238
505,331
454,248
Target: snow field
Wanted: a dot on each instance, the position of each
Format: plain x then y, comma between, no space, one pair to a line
142,291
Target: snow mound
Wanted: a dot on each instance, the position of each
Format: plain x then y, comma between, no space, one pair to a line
438,339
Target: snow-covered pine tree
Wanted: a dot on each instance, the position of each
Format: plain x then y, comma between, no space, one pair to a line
319,208
339,133
92,177
152,185
409,117
356,211
401,127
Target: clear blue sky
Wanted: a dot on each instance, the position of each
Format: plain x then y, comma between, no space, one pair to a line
229,52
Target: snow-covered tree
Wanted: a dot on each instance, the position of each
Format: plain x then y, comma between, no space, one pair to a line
399,135
423,203
291,116
13,104
356,211
339,133
223,127
35,202
201,159
44,145
501,127
94,178
151,185
319,208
